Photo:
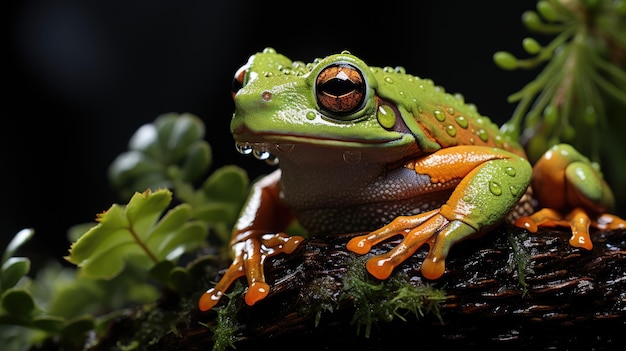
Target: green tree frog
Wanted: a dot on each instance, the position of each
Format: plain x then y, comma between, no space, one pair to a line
382,153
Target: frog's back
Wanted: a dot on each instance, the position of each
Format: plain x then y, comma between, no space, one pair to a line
438,119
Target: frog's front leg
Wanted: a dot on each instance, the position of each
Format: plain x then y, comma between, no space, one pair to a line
489,182
255,239
573,194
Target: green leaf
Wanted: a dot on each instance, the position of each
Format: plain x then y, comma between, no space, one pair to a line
134,232
161,154
177,133
13,270
18,302
47,323
180,279
227,184
18,240
130,165
161,271
78,326
196,162
213,212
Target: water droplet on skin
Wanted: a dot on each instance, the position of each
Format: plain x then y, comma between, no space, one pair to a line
311,115
495,188
450,110
386,117
498,140
483,135
389,80
510,171
243,148
461,121
467,198
451,130
352,157
439,115
261,155
514,190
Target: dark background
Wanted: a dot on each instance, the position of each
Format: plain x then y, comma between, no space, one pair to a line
84,75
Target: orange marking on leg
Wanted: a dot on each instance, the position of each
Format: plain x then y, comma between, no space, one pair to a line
579,222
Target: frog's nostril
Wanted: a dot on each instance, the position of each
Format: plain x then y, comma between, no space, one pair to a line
266,95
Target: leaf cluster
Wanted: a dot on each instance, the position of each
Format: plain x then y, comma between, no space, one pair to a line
23,319
579,95
133,249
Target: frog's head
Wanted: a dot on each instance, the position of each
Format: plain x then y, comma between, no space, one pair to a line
330,104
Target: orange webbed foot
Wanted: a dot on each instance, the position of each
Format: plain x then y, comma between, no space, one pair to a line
430,228
578,220
250,254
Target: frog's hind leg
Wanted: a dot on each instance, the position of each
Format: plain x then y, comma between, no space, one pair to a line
572,193
492,181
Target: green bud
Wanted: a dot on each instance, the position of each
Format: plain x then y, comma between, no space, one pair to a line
531,46
547,11
505,60
550,115
531,20
536,147
532,118
568,133
590,116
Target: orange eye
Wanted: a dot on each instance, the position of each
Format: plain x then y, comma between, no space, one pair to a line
238,79
340,89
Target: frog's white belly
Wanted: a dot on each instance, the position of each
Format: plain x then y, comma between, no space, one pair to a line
354,198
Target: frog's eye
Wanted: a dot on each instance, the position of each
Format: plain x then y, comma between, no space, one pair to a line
238,79
340,89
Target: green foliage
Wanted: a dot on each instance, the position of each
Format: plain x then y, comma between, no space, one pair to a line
135,232
170,153
219,199
14,268
169,150
131,246
579,97
16,303
22,319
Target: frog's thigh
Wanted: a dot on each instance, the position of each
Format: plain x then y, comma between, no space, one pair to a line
492,181
482,199
487,193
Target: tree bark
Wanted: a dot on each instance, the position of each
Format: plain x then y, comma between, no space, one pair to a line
570,298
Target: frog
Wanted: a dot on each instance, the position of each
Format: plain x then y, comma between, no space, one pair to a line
379,153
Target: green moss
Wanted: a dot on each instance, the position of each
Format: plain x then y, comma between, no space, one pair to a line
382,301
224,332
520,258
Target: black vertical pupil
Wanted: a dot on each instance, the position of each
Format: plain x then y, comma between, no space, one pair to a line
339,87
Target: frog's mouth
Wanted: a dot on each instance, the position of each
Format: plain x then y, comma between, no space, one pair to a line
272,146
